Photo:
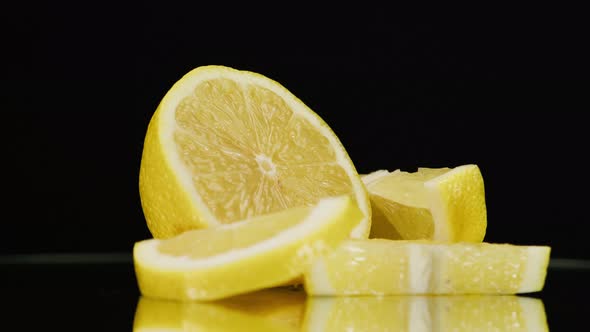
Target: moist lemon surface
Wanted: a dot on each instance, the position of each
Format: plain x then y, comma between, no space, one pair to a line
444,204
382,267
226,145
254,254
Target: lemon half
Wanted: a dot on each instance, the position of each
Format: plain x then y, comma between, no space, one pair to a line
226,145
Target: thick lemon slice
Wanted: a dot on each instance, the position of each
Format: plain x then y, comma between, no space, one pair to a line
441,204
424,313
262,252
226,145
380,267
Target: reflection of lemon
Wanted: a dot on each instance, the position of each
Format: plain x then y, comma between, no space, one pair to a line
422,313
283,304
226,145
433,203
380,266
268,310
265,251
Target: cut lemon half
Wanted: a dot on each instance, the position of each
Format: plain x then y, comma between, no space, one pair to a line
381,267
226,145
425,313
440,204
228,260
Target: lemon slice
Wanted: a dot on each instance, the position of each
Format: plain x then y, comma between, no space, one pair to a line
262,252
424,313
226,145
277,309
441,204
380,267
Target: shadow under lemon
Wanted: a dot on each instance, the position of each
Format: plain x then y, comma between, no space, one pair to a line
289,309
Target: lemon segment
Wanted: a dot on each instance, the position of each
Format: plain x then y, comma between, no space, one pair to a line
384,267
225,145
425,313
443,204
227,260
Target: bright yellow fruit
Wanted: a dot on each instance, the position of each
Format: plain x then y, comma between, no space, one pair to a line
226,145
262,252
440,204
382,267
267,310
424,313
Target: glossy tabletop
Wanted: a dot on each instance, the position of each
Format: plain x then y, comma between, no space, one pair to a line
99,293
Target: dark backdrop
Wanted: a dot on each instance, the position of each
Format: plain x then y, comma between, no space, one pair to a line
400,90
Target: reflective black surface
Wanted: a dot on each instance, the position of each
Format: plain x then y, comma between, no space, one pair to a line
99,293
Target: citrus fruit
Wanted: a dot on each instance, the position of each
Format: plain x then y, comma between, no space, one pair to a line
443,204
380,267
261,252
226,145
425,313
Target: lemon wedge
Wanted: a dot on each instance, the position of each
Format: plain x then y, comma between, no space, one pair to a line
443,204
226,145
381,267
425,313
257,253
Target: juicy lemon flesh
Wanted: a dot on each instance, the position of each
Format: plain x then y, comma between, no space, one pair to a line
381,228
407,188
403,201
425,313
251,154
225,145
475,268
407,222
364,269
387,267
211,241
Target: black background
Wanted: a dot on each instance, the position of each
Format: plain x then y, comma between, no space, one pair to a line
499,87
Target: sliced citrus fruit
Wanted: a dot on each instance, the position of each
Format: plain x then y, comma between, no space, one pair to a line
425,313
441,204
380,267
257,253
225,145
